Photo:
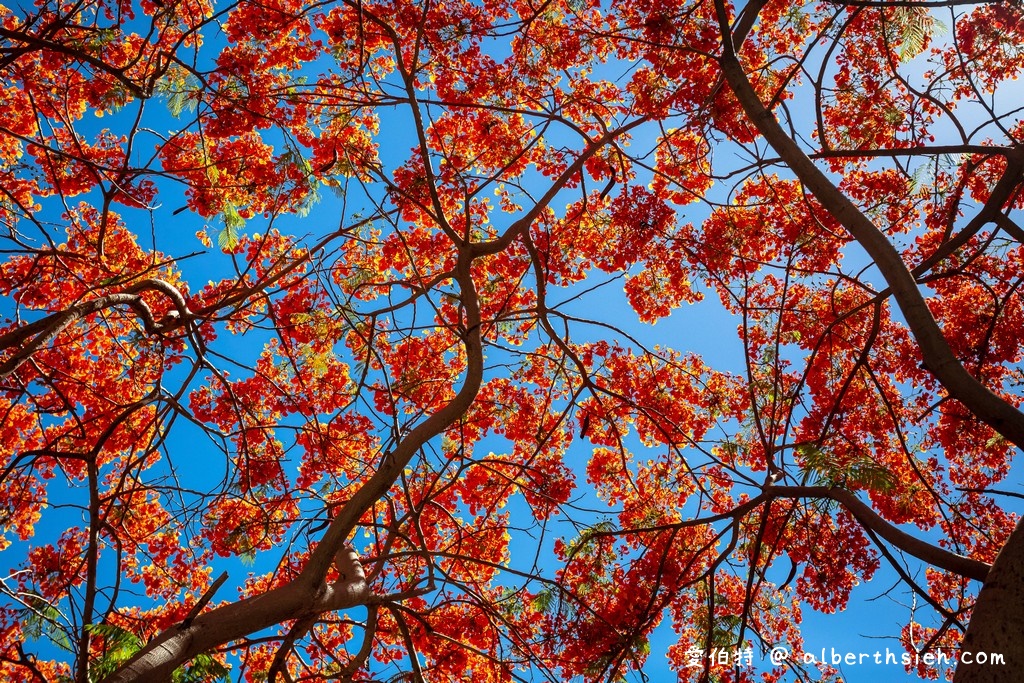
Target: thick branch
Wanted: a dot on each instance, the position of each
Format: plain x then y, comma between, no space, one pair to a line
938,357
47,329
308,594
172,648
41,332
862,512
922,550
37,43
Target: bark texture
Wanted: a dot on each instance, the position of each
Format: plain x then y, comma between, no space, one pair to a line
997,624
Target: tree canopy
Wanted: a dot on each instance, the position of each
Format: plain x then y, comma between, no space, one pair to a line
327,339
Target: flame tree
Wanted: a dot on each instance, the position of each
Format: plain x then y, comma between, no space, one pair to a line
330,287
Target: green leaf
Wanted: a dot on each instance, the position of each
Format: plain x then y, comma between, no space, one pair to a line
861,471
41,620
542,601
584,543
915,26
119,645
233,225
202,669
725,631
176,102
178,86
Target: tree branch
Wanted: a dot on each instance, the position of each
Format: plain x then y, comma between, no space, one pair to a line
938,357
922,550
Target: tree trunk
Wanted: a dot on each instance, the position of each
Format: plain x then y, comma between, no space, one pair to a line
997,624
